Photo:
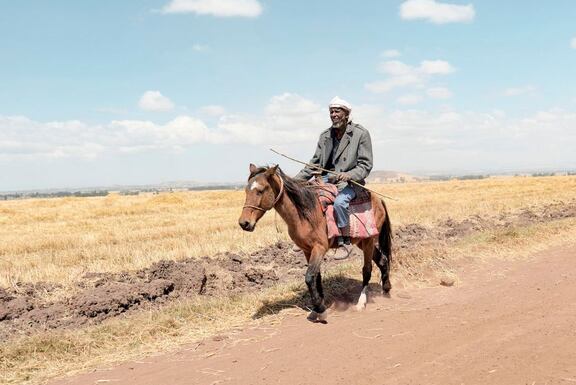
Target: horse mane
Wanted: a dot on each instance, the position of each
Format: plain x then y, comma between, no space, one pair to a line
303,198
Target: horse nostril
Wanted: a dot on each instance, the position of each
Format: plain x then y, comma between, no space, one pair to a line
243,224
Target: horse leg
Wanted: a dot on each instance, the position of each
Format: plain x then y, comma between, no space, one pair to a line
314,283
366,275
319,287
383,253
383,263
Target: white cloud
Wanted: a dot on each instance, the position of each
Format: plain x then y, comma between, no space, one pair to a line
573,43
396,68
436,67
478,140
23,138
439,93
183,130
409,99
402,74
392,83
212,110
291,104
436,12
427,67
218,8
519,91
391,53
287,118
155,101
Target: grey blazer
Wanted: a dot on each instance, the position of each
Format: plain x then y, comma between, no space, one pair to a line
354,154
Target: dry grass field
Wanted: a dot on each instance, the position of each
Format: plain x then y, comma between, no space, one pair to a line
57,240
60,240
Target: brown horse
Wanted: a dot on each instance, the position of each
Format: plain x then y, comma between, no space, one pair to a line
269,187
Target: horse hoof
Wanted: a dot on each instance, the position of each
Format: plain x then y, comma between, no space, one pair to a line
313,316
361,304
318,317
386,287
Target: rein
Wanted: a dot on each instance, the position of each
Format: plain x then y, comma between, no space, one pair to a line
280,193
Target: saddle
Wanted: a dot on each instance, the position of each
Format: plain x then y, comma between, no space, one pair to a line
362,222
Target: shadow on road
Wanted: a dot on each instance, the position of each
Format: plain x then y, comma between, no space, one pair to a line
340,293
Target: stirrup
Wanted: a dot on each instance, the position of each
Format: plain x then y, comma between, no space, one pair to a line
342,252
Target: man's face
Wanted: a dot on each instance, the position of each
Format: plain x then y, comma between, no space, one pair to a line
339,117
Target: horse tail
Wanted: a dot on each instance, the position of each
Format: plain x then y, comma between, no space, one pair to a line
385,237
383,253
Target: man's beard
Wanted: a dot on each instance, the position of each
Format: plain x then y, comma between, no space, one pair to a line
340,124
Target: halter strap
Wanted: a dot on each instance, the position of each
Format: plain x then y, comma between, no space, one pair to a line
280,193
253,207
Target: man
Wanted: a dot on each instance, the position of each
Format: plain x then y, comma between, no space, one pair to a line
346,149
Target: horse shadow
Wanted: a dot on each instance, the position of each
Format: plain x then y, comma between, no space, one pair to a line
340,293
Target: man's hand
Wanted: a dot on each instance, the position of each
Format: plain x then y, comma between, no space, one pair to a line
344,177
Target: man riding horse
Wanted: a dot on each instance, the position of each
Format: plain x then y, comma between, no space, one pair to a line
346,149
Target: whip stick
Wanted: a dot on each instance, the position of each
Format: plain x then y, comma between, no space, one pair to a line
331,172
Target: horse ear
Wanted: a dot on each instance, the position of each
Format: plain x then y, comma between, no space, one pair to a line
253,168
272,170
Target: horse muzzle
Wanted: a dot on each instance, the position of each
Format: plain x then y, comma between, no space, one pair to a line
247,226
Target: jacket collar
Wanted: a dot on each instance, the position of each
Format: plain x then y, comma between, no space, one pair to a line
349,127
345,141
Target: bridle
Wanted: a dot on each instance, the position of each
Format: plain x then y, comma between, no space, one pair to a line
280,193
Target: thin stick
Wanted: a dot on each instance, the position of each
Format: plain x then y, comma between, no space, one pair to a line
332,172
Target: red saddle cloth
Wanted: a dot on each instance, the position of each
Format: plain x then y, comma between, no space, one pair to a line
362,222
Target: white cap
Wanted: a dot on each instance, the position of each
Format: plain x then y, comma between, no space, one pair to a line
340,103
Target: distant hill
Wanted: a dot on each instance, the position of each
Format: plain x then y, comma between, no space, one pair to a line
377,176
386,176
121,189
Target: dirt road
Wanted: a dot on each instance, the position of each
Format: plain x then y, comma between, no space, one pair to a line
504,322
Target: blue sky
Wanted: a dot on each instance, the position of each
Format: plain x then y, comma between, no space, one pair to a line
110,92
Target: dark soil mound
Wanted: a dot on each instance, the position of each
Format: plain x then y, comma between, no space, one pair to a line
103,295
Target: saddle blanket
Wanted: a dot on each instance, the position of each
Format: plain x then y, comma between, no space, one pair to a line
362,222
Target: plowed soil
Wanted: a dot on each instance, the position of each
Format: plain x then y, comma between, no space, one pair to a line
507,322
100,296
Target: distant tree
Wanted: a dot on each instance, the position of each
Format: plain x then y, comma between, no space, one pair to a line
467,177
440,177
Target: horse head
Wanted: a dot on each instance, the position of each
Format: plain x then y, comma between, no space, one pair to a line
260,196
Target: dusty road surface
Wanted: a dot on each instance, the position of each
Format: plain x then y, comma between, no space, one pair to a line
504,322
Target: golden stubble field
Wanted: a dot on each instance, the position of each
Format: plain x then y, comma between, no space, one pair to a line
60,240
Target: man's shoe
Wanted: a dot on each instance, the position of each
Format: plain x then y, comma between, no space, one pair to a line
342,252
342,240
